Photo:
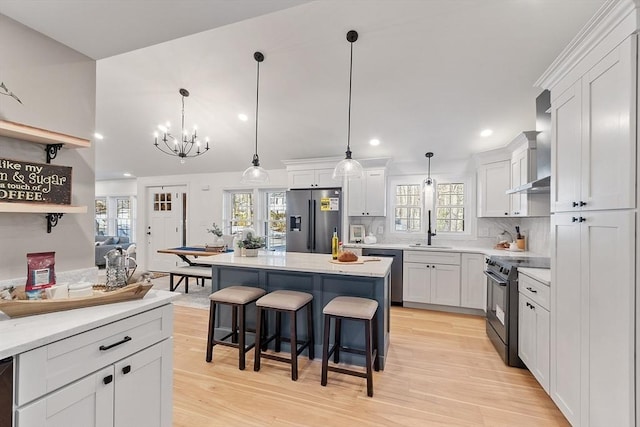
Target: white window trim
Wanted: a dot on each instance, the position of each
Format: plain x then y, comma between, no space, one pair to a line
259,206
470,217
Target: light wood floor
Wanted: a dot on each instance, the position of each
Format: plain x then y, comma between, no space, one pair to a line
441,371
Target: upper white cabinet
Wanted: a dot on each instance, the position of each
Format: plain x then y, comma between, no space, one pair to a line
493,182
367,195
523,170
594,136
310,178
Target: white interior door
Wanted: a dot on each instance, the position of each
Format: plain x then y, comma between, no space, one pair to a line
165,226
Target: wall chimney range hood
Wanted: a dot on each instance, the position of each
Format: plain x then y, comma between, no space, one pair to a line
541,148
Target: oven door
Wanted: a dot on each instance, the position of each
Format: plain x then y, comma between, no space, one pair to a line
497,304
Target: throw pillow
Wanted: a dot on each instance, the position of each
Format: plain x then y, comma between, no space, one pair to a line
109,241
116,240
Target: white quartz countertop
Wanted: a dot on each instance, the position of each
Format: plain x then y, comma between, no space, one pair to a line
26,333
540,274
452,248
303,262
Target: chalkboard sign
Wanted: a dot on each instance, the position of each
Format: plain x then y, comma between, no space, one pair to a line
28,182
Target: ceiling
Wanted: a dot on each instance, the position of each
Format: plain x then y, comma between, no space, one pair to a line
428,75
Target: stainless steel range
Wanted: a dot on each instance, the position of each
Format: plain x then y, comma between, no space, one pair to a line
502,303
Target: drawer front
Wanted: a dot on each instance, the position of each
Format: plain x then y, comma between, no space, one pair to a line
52,366
537,291
432,257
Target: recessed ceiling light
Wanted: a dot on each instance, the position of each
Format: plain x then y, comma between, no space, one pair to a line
243,117
127,174
98,136
485,133
374,142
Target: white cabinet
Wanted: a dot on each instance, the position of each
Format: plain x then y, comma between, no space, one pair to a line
311,178
493,182
119,374
473,284
522,171
593,158
367,196
534,327
431,277
592,316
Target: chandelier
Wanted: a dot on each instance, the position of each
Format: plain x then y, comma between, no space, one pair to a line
184,144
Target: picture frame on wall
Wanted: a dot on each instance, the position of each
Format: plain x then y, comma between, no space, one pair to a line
356,233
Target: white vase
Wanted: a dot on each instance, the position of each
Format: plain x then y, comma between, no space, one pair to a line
251,252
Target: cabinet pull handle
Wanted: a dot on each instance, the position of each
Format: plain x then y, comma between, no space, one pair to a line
583,203
582,219
574,204
531,307
126,369
533,291
574,219
106,380
122,341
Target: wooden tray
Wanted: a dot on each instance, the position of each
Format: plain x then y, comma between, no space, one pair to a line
22,307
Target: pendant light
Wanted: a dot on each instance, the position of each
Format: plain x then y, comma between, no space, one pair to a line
254,174
429,186
349,168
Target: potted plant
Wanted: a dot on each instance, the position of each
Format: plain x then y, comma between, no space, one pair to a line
251,244
218,241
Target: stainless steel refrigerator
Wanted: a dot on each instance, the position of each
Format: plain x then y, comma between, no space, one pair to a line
311,217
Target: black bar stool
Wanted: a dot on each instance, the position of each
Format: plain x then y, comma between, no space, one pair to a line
284,302
238,297
351,308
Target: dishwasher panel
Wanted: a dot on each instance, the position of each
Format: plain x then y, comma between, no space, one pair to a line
396,270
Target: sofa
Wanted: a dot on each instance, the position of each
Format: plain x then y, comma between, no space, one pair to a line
105,243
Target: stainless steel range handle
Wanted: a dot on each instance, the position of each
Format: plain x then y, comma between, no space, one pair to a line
495,278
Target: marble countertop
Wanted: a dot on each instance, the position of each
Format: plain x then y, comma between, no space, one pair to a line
452,248
540,274
303,262
26,333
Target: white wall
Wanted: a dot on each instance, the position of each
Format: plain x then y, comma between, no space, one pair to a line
57,88
204,196
119,187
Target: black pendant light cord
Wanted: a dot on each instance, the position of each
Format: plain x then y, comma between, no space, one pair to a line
429,155
259,58
352,36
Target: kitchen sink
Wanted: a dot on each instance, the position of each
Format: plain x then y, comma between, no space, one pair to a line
424,245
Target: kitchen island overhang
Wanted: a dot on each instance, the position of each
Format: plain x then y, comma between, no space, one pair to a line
317,275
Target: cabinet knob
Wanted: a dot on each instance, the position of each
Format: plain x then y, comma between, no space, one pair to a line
506,213
574,204
574,219
583,203
106,380
582,219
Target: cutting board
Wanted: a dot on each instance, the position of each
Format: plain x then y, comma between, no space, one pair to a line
358,261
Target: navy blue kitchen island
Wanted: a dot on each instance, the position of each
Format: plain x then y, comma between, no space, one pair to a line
314,274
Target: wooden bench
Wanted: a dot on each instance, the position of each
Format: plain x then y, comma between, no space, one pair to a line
184,273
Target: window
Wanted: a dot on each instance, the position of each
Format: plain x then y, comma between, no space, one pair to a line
275,220
101,217
123,216
241,204
115,216
450,207
408,208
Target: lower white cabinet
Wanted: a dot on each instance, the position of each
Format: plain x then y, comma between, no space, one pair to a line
534,328
593,316
116,375
426,281
473,283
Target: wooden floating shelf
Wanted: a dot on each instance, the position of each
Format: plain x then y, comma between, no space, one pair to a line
41,208
40,136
